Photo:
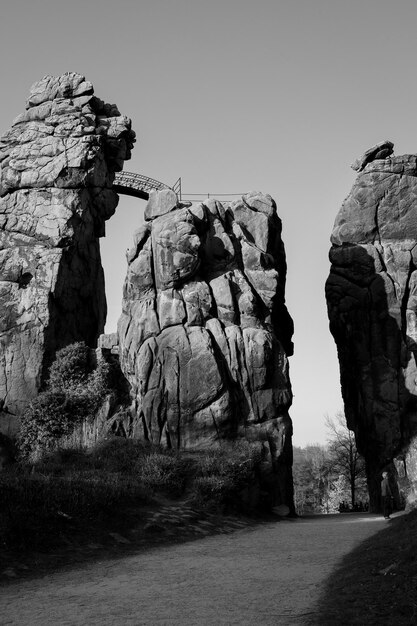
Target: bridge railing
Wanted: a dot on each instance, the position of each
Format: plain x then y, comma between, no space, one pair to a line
177,188
138,181
200,197
138,185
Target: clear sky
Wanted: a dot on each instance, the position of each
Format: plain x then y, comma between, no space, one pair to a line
233,95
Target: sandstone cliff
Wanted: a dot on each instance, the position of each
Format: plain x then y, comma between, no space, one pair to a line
57,167
204,334
372,304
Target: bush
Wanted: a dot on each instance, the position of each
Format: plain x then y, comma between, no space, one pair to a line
211,491
74,392
234,460
117,454
71,368
223,473
166,472
113,455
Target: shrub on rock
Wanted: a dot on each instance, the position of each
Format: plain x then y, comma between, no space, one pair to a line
74,392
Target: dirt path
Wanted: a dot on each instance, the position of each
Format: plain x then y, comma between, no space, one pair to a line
271,574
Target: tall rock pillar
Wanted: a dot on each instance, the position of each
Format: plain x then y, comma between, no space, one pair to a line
372,304
57,167
204,334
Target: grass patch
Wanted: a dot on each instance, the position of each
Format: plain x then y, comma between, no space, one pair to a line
71,491
166,473
224,476
41,511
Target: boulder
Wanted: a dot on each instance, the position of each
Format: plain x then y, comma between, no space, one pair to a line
160,202
204,336
372,305
58,162
381,150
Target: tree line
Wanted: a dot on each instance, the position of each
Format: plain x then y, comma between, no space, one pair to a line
330,478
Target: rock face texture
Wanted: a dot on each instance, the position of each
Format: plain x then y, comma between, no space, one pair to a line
57,167
372,304
204,335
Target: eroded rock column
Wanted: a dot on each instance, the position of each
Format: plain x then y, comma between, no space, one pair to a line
204,334
372,304
57,167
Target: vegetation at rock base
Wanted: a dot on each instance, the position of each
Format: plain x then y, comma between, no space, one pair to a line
74,392
68,492
222,478
54,489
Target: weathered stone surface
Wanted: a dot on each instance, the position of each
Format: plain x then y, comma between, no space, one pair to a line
381,150
204,334
372,305
109,342
57,167
160,202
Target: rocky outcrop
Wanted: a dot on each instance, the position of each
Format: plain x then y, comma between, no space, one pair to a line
204,334
57,167
372,304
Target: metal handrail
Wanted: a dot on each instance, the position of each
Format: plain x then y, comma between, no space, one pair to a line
177,188
138,185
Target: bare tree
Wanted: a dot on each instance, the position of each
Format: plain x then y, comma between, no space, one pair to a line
344,456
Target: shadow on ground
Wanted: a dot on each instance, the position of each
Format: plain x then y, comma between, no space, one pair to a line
375,584
141,529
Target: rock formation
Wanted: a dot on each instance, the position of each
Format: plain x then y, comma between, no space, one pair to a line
372,304
57,167
204,334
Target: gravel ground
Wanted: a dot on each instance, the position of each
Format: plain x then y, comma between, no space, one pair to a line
269,574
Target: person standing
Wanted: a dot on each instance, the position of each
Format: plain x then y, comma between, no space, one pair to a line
386,495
